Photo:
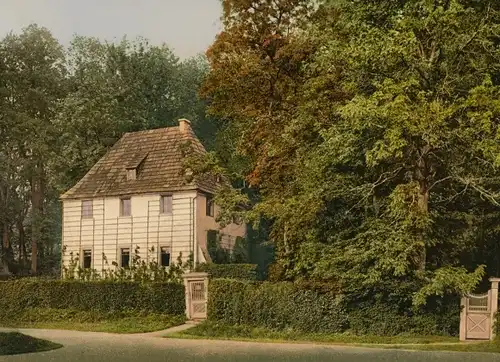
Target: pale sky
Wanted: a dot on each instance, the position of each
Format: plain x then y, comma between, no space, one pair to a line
187,26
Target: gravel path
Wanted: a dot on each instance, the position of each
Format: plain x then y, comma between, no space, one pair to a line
92,346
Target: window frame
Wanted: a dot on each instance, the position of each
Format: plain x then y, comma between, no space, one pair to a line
91,215
120,255
83,249
162,204
160,261
122,200
209,206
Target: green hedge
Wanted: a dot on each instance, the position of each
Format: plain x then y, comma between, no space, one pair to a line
274,306
230,271
312,308
165,298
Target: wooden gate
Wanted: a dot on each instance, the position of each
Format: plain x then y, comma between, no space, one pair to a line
478,322
478,312
196,286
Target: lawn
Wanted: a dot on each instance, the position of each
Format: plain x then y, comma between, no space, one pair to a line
209,330
93,321
16,343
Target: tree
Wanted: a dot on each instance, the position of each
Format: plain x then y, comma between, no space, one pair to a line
33,83
377,160
118,88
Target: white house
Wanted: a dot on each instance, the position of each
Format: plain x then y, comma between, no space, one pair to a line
137,196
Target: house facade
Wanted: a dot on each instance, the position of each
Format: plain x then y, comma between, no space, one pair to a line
137,200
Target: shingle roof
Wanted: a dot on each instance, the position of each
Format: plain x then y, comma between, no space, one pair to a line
157,154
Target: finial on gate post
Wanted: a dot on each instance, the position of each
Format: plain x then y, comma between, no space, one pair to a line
494,282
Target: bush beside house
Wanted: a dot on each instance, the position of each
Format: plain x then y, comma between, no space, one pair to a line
231,271
310,308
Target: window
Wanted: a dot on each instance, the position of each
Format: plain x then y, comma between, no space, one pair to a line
87,208
166,204
131,174
210,206
125,257
125,207
164,256
86,258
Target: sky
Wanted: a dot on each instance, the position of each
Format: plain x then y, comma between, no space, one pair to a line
187,26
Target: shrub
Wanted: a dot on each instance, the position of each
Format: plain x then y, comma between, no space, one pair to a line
386,314
275,272
274,306
111,297
230,271
312,307
139,270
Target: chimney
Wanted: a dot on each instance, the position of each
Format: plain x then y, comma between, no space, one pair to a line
184,125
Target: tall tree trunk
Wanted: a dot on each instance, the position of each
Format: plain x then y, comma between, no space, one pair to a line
423,206
22,243
5,236
36,204
5,247
423,201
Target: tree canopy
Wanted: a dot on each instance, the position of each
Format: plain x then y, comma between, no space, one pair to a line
371,132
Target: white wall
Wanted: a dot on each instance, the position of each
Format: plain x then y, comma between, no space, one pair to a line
107,231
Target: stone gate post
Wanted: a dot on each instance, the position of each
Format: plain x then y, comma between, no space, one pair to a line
463,319
494,304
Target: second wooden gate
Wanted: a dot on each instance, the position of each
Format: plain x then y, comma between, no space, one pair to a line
196,287
478,311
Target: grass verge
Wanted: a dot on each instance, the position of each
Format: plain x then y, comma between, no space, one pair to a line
209,330
16,343
221,331
92,321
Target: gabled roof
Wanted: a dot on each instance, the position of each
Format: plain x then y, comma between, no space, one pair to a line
157,155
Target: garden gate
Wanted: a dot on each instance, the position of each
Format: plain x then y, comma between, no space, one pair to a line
196,286
478,313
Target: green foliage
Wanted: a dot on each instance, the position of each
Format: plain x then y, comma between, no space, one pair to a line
275,306
450,280
275,272
98,296
125,321
208,329
138,271
390,319
373,146
230,271
310,307
222,255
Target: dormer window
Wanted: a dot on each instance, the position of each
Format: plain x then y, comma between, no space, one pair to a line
131,174
134,166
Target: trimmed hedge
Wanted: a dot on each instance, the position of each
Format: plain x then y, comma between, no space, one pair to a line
274,306
230,271
110,297
310,308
